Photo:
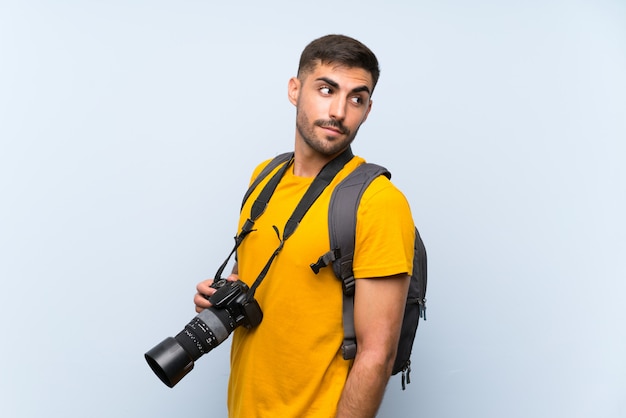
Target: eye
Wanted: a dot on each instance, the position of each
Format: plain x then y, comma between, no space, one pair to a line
357,100
325,90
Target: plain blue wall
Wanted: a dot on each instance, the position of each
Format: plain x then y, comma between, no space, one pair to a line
128,131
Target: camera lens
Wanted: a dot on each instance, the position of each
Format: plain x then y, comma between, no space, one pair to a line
173,358
206,331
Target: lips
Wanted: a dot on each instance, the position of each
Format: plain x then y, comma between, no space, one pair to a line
334,127
328,128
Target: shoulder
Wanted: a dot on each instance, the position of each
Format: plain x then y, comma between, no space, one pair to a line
385,232
257,170
383,206
269,165
383,193
380,193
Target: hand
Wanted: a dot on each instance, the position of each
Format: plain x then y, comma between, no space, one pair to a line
205,291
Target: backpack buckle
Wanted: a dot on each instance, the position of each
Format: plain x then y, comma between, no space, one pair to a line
348,349
348,285
324,260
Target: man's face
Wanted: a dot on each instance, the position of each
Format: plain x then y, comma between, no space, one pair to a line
331,104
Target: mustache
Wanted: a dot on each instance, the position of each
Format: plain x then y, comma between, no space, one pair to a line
332,123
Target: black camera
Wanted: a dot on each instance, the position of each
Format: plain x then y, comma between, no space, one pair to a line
173,358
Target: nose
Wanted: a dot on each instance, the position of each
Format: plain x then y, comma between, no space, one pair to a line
337,109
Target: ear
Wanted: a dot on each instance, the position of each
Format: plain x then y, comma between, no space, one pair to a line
293,90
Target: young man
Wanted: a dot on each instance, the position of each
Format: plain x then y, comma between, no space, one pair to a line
291,365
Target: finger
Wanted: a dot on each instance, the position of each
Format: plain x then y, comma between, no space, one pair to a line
233,277
204,287
201,302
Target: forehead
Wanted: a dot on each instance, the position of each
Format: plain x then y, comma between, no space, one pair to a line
344,76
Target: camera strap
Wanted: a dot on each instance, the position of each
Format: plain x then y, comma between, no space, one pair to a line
321,181
258,207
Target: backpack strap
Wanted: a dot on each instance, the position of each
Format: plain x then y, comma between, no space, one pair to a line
342,211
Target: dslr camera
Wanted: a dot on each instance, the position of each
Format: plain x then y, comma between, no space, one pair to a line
174,357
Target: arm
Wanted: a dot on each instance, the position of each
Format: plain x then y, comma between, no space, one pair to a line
378,311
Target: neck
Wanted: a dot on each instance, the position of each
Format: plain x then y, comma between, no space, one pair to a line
307,162
305,167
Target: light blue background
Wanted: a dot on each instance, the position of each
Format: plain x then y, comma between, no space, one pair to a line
129,130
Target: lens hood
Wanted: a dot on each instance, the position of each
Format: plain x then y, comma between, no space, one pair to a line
169,361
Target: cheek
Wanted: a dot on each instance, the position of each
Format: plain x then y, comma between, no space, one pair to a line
313,106
358,118
312,110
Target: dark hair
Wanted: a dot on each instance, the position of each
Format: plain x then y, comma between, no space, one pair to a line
341,50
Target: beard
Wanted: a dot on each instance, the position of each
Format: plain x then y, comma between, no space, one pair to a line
325,145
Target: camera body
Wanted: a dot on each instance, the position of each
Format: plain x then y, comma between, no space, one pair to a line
232,295
231,307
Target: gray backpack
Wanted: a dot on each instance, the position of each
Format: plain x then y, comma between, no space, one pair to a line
342,212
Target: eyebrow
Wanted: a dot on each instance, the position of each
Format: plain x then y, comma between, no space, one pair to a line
334,84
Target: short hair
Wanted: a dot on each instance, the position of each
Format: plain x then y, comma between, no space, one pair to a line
340,50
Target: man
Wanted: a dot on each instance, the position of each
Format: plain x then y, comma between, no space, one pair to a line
291,365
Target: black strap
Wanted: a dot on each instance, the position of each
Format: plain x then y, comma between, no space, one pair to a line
258,207
275,162
322,180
